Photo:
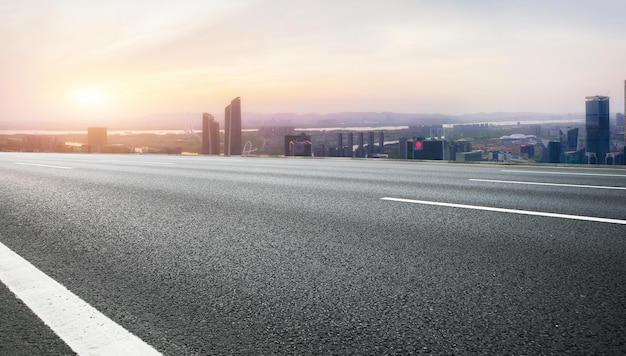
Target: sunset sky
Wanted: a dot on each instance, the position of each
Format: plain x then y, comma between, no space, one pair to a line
118,59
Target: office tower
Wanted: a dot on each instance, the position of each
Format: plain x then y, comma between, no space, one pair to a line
350,147
340,144
232,129
572,139
210,135
597,124
402,148
625,114
96,139
370,146
569,141
381,142
554,152
360,151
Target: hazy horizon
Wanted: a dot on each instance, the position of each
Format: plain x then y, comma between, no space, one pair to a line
73,63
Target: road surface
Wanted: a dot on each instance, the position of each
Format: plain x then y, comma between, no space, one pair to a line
218,255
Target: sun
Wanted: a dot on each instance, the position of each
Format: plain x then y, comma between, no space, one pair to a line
90,97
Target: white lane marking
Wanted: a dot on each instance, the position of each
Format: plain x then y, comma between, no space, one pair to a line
42,165
548,184
139,162
81,326
565,173
511,211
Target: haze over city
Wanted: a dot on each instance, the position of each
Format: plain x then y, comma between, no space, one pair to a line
80,62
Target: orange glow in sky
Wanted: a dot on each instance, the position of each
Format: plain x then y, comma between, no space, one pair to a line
75,60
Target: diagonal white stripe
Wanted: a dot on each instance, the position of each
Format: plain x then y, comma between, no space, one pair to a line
511,211
548,184
42,165
565,173
81,326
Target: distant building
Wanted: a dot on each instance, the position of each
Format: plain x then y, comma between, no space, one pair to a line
381,142
431,150
474,156
615,158
349,149
319,151
575,157
372,144
457,147
569,139
96,139
527,151
554,152
210,135
298,145
360,151
232,129
41,143
339,144
402,148
597,125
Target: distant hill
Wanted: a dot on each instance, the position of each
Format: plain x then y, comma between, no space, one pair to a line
353,119
182,121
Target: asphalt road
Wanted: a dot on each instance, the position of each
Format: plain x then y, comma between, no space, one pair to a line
220,255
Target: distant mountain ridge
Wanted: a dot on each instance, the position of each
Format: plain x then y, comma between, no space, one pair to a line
183,121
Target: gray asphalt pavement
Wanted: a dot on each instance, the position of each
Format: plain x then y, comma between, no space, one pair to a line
232,255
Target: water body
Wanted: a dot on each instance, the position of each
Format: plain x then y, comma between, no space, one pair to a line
300,129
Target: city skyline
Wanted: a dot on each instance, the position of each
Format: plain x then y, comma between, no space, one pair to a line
90,63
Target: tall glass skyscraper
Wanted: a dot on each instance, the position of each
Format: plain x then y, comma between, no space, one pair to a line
210,135
597,124
232,129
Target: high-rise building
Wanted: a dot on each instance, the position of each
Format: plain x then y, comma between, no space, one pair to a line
569,141
597,125
232,129
340,144
403,149
96,139
370,147
381,142
360,151
350,148
210,135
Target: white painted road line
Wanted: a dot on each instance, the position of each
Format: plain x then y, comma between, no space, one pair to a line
140,162
511,211
42,165
81,326
548,184
565,173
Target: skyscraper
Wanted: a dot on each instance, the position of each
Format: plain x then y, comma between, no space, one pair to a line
350,147
340,144
210,135
232,130
360,151
597,125
96,139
